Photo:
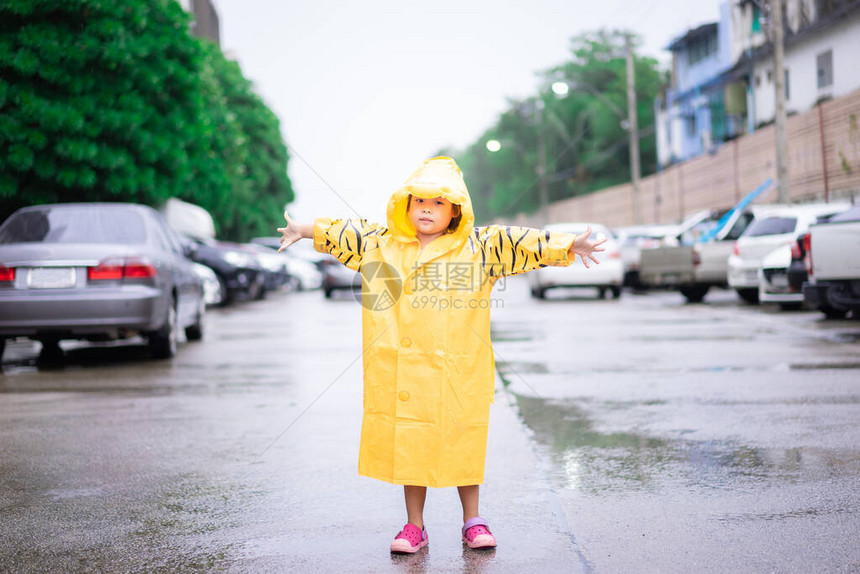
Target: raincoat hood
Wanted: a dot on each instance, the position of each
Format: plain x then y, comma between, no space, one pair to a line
437,177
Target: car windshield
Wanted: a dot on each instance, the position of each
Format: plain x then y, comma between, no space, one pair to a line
74,225
740,226
771,226
852,214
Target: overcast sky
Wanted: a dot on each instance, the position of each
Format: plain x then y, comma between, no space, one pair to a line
366,91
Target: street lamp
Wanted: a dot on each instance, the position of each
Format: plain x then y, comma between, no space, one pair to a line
495,146
561,89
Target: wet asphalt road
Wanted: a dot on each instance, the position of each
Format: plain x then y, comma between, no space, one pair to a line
640,435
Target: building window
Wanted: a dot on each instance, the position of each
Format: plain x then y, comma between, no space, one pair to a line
691,125
702,47
824,65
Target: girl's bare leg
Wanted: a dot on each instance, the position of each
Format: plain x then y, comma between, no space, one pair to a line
415,497
469,500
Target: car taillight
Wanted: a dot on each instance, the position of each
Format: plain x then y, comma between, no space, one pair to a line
697,258
118,268
807,252
614,254
106,270
795,251
138,269
7,273
736,250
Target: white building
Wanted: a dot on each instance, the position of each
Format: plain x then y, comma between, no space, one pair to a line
819,64
206,23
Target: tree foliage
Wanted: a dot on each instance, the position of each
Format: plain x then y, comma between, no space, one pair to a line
116,101
586,140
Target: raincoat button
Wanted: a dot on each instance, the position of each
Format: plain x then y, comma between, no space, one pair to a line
406,342
403,396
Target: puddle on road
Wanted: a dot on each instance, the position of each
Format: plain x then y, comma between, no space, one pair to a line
522,368
513,332
131,371
852,337
824,366
508,369
588,460
686,338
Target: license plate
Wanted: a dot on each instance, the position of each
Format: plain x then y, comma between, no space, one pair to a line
51,278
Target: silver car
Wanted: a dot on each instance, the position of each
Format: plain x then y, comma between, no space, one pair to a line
96,271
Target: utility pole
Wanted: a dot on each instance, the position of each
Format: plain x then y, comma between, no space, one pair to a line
781,117
633,131
541,167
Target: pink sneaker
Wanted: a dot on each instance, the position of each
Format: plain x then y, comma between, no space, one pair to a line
477,535
410,540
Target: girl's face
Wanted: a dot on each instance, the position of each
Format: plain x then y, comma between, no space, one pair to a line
430,216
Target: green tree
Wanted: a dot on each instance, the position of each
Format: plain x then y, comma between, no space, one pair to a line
116,101
587,145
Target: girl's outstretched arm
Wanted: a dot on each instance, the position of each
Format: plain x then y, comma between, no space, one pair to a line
510,249
586,247
346,239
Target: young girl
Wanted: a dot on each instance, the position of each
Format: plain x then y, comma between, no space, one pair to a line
428,362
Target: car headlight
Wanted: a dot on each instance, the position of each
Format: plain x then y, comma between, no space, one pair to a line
272,264
237,259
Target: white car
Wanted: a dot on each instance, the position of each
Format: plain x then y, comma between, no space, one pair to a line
608,276
773,284
779,227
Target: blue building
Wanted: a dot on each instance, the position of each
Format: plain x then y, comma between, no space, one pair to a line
703,106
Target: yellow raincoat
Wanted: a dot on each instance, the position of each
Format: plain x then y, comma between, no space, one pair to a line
428,361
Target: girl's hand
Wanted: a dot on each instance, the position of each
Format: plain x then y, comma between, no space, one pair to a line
586,248
291,233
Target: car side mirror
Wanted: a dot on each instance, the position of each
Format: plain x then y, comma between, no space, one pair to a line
189,249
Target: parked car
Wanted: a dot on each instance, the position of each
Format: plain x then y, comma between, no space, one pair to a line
304,273
608,276
274,265
697,259
312,268
632,241
300,250
832,255
211,285
337,277
780,228
783,272
96,271
239,272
